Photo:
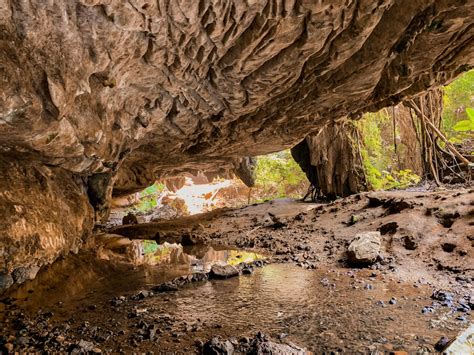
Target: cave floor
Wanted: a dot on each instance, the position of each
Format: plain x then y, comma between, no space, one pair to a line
307,293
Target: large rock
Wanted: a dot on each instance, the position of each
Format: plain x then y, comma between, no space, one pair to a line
365,248
223,271
218,346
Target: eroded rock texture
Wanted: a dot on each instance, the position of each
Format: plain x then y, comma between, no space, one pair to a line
44,212
124,92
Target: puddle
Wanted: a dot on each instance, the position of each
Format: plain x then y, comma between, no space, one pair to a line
123,266
321,310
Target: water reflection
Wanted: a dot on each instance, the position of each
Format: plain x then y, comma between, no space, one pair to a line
195,258
123,266
276,299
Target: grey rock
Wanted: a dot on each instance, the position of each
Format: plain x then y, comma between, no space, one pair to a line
365,248
6,280
218,346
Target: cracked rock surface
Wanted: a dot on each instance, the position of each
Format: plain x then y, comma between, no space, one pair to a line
114,94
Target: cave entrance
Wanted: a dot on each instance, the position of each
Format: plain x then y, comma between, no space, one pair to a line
276,176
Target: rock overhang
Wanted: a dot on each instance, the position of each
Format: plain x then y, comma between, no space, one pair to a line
98,86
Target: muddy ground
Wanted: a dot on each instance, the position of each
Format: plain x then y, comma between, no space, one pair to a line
427,235
309,294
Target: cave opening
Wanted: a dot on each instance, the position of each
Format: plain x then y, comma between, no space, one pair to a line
272,177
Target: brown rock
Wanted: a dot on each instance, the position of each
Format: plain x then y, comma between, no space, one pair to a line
130,218
223,271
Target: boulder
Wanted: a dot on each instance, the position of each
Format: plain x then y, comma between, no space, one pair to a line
223,271
218,346
364,248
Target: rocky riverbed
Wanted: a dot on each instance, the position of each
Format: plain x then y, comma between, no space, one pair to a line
309,293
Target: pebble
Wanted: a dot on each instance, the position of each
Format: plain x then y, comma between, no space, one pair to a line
441,344
427,310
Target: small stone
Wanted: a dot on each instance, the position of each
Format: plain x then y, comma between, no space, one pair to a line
141,295
393,300
165,287
247,270
388,228
223,271
199,276
448,247
84,345
410,242
151,332
441,344
9,347
354,219
199,343
130,218
427,309
218,346
441,295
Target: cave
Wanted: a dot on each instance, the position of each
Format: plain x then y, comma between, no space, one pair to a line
100,99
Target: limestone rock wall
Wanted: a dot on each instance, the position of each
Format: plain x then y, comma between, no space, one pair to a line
117,93
44,213
96,86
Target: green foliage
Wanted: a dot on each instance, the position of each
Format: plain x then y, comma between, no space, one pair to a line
378,154
458,97
148,198
278,176
466,125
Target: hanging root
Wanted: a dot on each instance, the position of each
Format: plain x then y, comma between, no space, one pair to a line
436,161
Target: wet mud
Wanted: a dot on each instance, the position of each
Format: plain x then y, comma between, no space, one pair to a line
307,294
